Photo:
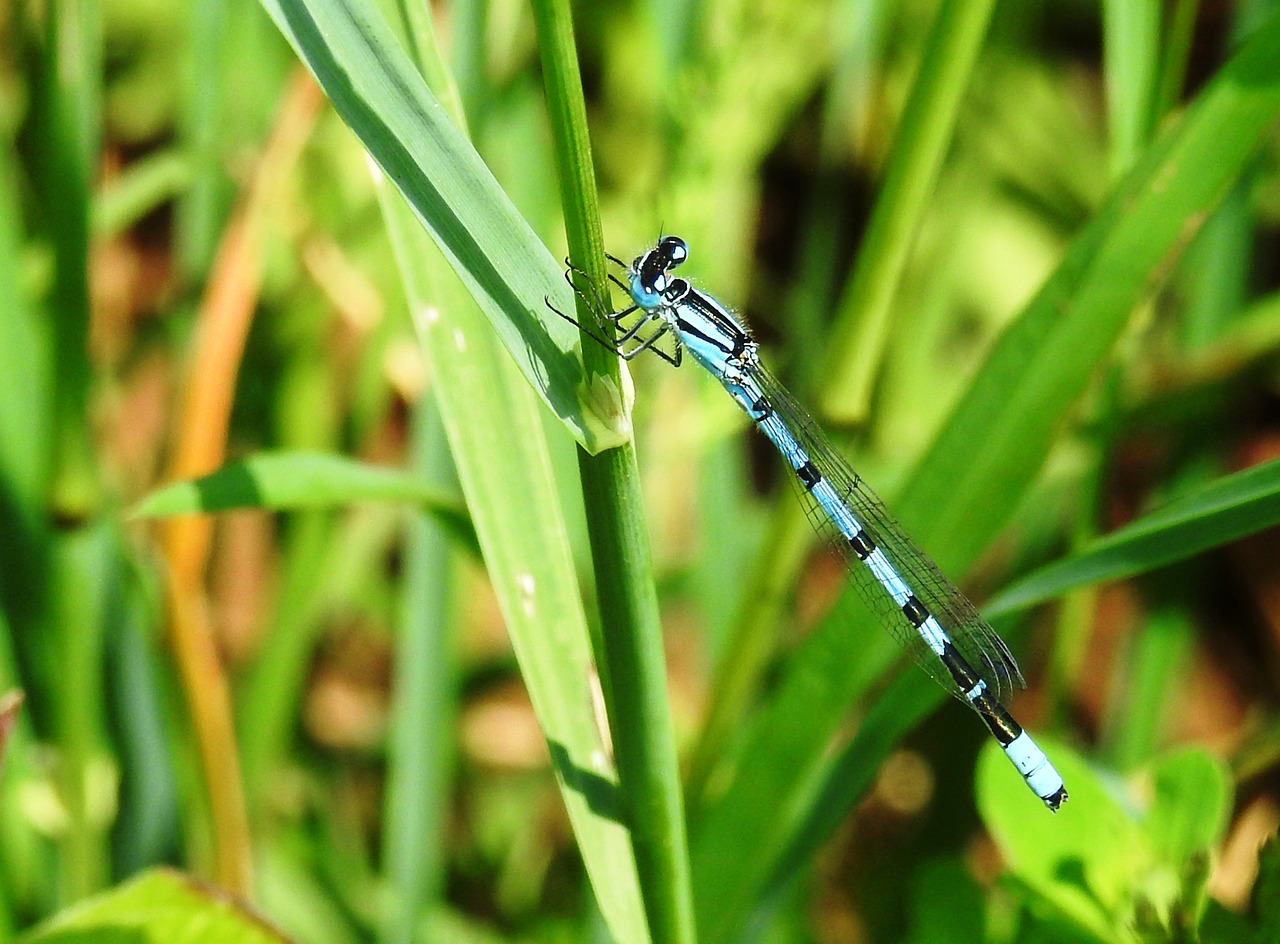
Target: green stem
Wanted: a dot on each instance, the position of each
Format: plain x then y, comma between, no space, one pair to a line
631,653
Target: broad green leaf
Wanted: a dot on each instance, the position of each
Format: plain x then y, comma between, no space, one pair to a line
1222,511
1190,807
1086,859
1104,863
508,271
159,907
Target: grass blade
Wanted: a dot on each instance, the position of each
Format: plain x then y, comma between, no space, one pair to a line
924,133
1131,40
986,456
420,749
374,87
293,481
495,433
1223,511
959,495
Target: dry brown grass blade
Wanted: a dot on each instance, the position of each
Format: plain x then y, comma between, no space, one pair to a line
199,447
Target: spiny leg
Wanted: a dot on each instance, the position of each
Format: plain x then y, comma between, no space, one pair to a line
602,311
647,344
597,304
602,341
596,301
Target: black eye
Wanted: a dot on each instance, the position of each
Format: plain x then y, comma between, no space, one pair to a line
675,250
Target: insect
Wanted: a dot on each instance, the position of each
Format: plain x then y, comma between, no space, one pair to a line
924,610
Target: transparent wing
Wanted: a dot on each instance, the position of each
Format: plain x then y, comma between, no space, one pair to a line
975,640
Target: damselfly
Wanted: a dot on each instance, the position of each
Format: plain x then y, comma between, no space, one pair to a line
924,610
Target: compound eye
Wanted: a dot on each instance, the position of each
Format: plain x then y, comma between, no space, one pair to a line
675,249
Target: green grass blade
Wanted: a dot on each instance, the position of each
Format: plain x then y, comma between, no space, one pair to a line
375,88
1179,36
997,437
200,214
741,836
80,585
987,455
496,437
1153,663
923,135
26,431
1225,510
326,562
147,824
495,433
293,481
1131,39
67,117
147,184
947,905
420,747
904,704
1214,275
753,640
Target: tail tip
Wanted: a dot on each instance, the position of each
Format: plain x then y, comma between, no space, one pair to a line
1056,799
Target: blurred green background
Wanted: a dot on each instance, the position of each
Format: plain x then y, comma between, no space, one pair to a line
1019,258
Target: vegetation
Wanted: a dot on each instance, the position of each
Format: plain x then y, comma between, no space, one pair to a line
349,593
